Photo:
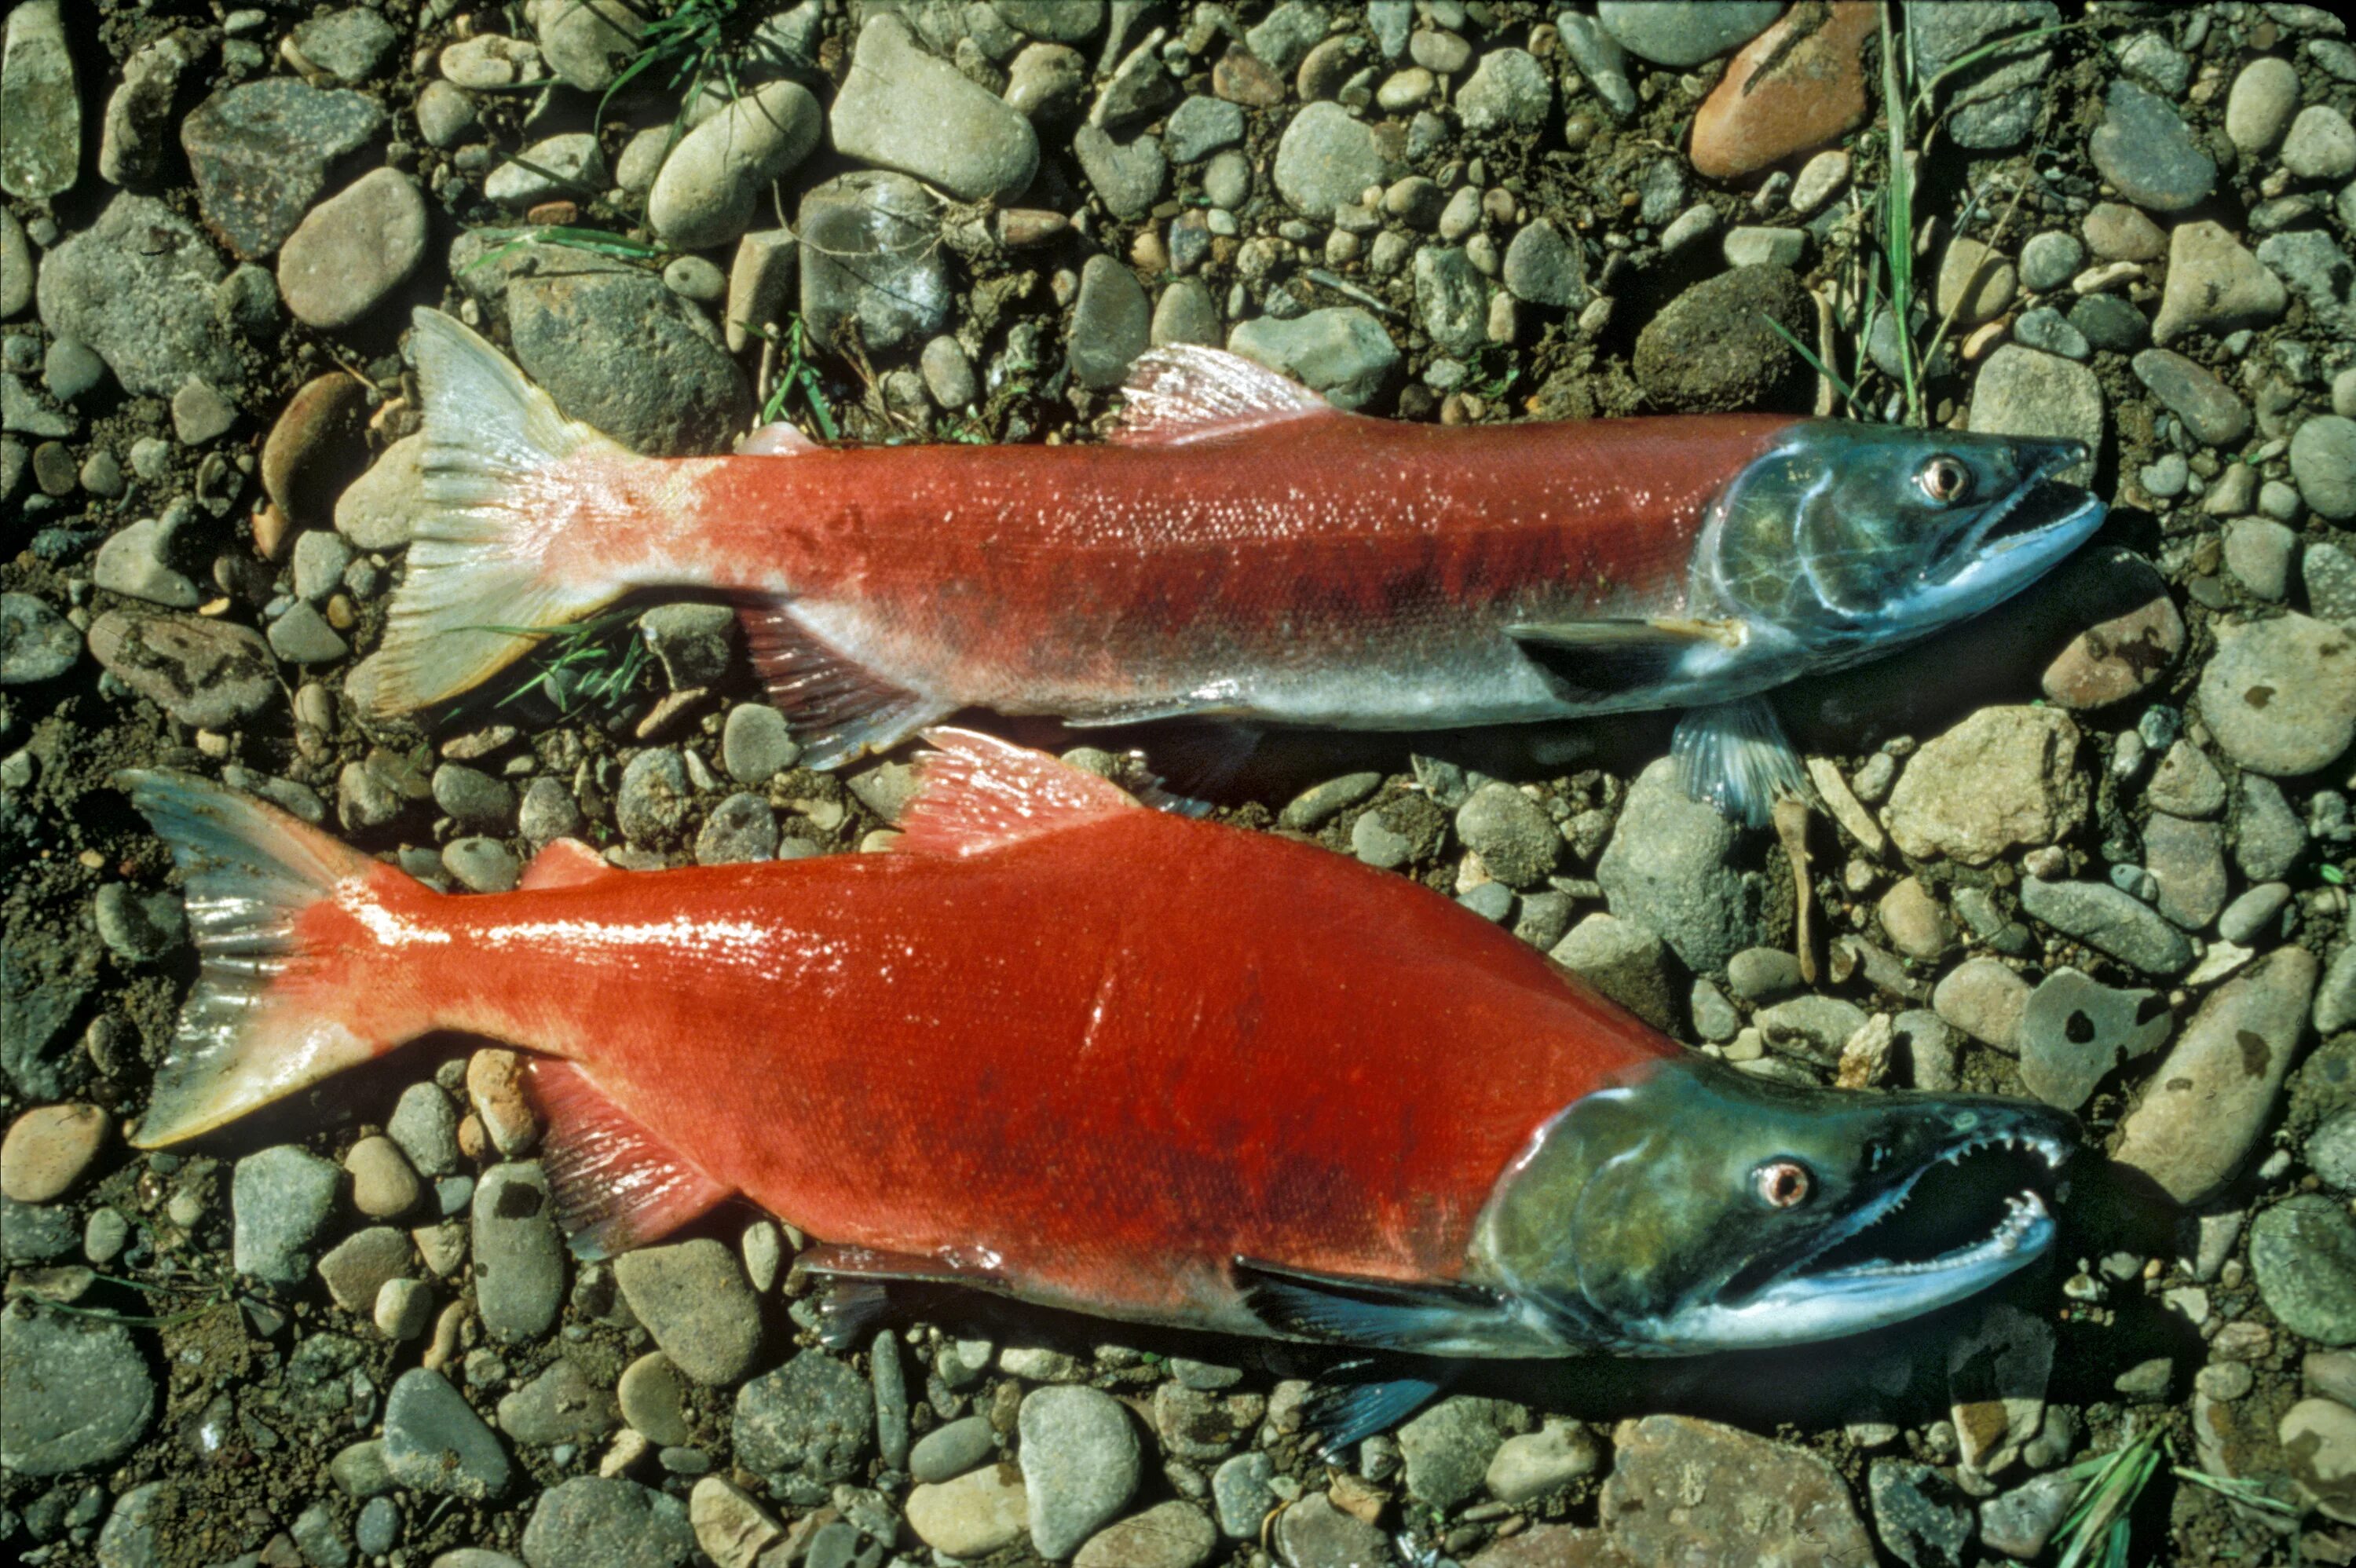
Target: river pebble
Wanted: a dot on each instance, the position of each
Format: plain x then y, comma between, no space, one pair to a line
902,108
980,1512
79,1393
1080,1463
281,1200
518,1267
693,1298
2075,1031
433,1441
2303,1253
2280,694
608,1522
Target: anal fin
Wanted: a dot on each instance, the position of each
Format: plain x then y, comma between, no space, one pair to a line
615,1184
837,707
1735,756
1352,1404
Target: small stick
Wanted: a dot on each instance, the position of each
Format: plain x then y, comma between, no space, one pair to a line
1792,828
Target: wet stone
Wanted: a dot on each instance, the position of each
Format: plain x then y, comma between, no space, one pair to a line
902,108
1112,324
2187,860
2303,1252
1242,1495
716,182
1515,839
806,1425
1703,1495
433,1441
2214,285
2209,408
1995,101
1711,347
561,1405
1313,1533
694,1299
519,1263
1174,1534
356,1268
1625,961
40,112
2075,1031
2215,1090
352,249
2280,694
2323,464
2109,920
609,1522
1340,352
1534,1465
2020,392
2268,837
870,255
741,828
1080,1465
280,1198
426,1128
47,1149
1325,159
952,1449
259,154
79,1393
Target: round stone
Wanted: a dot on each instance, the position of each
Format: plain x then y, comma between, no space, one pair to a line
352,249
2303,1251
2323,462
2280,694
711,187
47,1149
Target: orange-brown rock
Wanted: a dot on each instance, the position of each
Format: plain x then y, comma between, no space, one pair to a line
314,449
1795,87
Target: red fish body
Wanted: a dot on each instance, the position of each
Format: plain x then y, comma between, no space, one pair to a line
1088,1066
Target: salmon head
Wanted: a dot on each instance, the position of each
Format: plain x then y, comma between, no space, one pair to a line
1844,541
1697,1209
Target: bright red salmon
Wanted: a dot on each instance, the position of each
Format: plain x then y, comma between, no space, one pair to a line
1066,1048
1239,549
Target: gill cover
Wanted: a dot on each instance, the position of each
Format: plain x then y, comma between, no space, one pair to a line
1699,1209
1849,540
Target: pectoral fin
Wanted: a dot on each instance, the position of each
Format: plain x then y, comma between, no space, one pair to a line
1735,756
1350,1404
1597,661
1430,1317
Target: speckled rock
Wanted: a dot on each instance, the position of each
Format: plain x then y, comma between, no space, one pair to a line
2215,1090
260,152
2280,693
2003,778
615,1523
1674,866
1702,1495
79,1393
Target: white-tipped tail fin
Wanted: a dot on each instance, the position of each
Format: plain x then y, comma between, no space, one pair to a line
504,473
285,995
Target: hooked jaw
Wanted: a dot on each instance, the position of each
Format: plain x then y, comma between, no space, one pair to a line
1886,1261
2021,538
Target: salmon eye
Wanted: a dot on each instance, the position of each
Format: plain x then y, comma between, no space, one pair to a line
1944,479
1782,1183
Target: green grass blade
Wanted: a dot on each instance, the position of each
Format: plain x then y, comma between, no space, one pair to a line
1847,392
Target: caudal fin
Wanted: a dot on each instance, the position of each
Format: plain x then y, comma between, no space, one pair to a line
504,474
288,925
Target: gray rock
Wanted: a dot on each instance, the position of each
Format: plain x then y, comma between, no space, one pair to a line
1285,36
136,929
2268,837
2258,553
1671,867
474,798
2019,1522
870,255
433,1441
1325,159
2321,145
617,350
611,1522
303,636
353,249
2248,917
2003,778
357,1267
2187,784
2259,107
902,108
757,743
1711,348
1810,1026
2215,1092
1341,352
694,1299
2320,272
1682,35
1200,126
347,45
1052,21
135,1529
1080,1465
446,114
691,642
2214,285
2020,392
1995,102
2187,860
948,374
2110,322
1753,245
2335,998
79,1393
280,1199
561,1405
2111,921
1313,1533
1922,1516
136,287
41,110
1513,837
548,812
2323,464
717,181
1129,178
2280,694
1452,299
1600,61
555,168
586,42
260,153
952,1449
806,1425
1507,91
130,137
654,799
425,1127
1242,1495
741,828
1541,268
1625,961
519,1256
1684,1491
2074,1032
2050,259
2048,331
1446,1450
37,643
2209,408
1112,324
207,674
2303,1251
2143,148
16,266
2331,1151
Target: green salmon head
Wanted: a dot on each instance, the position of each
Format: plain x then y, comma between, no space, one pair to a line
1698,1209
1844,541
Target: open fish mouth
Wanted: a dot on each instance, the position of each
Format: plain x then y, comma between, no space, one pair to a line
2037,508
1977,1207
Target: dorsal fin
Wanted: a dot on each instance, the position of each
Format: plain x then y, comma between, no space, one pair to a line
565,863
615,1184
777,439
977,793
1186,392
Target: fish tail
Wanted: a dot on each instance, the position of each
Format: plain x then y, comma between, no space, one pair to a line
504,476
294,933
